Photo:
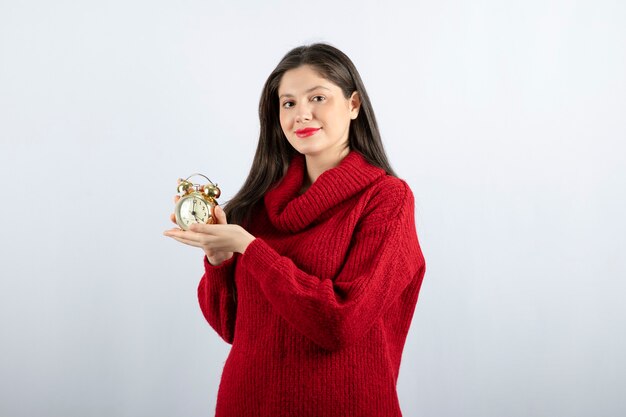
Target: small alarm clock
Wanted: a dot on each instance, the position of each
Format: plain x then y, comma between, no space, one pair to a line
197,202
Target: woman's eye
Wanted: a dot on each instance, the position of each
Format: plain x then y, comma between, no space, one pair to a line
290,104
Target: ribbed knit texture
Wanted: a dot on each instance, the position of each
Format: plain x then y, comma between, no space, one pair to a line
324,297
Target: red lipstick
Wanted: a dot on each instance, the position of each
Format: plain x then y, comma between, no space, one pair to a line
303,133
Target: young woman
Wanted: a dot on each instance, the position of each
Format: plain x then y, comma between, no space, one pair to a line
315,279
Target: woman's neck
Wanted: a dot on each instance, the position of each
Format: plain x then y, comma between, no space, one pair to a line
316,165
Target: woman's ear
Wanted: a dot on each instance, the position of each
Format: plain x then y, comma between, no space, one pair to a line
355,105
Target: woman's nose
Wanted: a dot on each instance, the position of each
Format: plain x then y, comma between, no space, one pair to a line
303,113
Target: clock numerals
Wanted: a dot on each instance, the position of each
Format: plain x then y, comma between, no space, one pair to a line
193,209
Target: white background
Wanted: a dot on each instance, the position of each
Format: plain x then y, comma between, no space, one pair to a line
507,119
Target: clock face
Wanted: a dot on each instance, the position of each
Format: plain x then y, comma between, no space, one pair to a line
192,209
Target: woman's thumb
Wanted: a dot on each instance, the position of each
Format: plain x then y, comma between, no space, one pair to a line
220,215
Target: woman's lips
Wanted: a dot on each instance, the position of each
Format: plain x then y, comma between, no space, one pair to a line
303,133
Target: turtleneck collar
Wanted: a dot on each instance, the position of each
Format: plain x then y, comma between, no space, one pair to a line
290,212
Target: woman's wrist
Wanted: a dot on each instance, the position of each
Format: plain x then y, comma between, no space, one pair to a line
246,242
217,261
246,239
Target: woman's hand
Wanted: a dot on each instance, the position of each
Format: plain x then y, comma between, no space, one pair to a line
218,241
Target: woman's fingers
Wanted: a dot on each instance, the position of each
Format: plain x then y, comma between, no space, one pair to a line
216,237
188,237
187,241
211,229
176,198
220,215
203,234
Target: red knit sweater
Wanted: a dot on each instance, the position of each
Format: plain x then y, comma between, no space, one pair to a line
323,298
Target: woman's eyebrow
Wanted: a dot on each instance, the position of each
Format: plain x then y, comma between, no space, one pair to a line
307,91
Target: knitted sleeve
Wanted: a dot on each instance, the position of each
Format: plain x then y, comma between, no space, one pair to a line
217,297
383,258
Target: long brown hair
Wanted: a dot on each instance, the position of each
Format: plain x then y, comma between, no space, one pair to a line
274,152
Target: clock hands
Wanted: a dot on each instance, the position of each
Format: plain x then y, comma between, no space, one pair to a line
196,211
193,211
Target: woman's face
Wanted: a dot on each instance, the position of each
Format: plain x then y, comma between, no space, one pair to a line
307,100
